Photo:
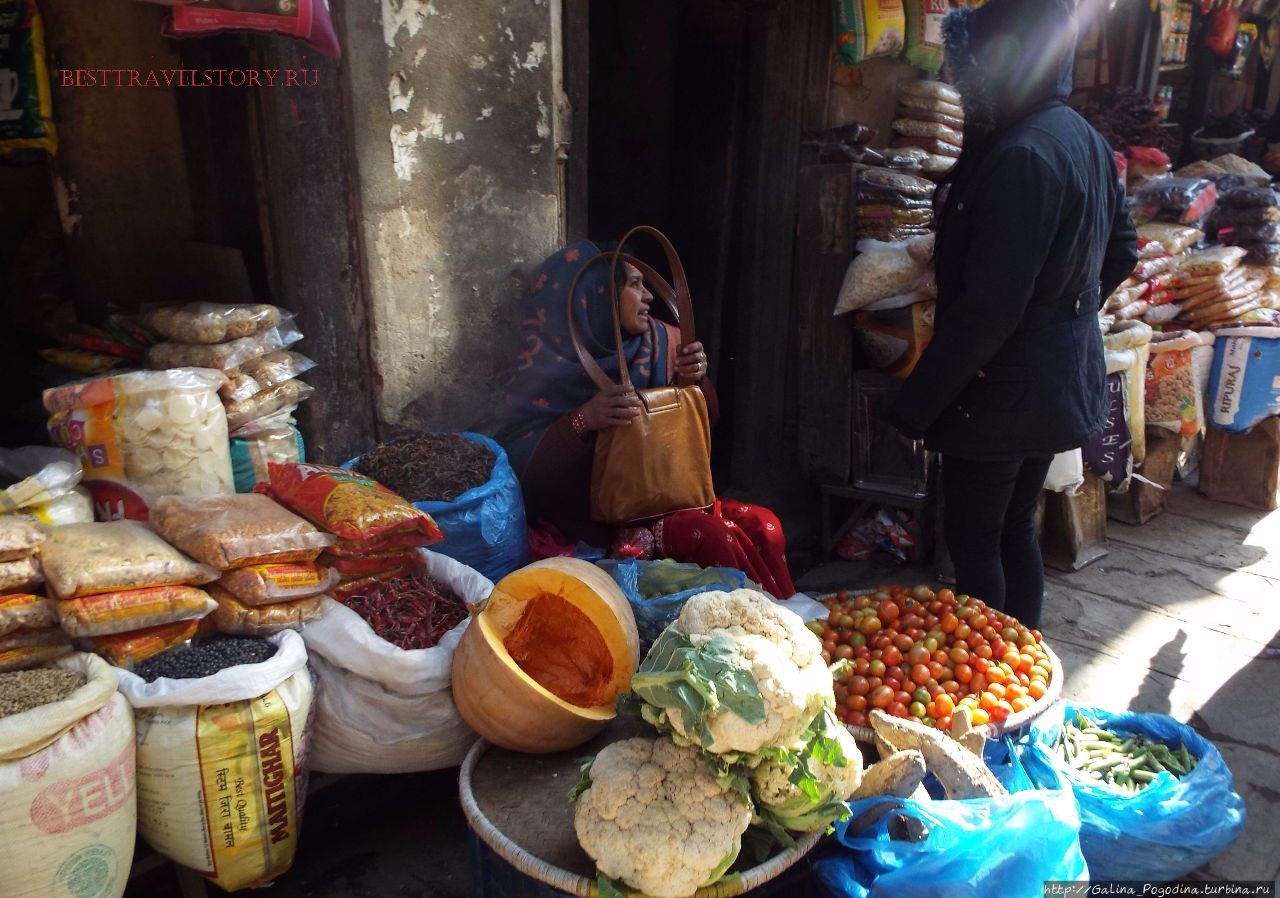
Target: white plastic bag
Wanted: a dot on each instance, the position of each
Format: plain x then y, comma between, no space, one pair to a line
219,765
881,270
67,791
43,485
1066,473
383,709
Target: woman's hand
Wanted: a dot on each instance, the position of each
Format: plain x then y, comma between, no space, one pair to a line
614,407
691,363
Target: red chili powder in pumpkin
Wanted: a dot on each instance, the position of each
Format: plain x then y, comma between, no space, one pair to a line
557,645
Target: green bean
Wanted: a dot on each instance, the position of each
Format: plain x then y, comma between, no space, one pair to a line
1143,776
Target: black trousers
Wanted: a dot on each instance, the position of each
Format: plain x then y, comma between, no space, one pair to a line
989,510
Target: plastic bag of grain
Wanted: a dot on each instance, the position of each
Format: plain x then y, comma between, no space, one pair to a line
219,765
67,791
866,29
383,709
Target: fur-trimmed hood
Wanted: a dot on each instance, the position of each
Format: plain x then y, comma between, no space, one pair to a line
1009,56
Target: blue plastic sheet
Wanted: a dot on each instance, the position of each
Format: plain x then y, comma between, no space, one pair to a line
484,528
639,580
973,848
1166,830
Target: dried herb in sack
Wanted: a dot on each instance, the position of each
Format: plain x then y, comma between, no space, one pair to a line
429,467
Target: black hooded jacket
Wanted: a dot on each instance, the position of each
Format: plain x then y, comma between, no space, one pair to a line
1033,236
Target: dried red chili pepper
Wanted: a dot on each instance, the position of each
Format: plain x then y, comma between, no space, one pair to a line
412,612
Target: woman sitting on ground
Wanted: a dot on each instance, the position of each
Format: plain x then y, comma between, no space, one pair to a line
554,411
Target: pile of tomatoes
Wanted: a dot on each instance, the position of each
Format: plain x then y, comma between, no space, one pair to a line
916,653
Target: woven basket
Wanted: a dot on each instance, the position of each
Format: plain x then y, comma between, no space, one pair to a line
541,871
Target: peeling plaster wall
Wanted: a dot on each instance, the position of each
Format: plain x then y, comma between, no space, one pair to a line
452,135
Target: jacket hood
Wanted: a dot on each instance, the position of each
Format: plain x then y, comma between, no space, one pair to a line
1009,56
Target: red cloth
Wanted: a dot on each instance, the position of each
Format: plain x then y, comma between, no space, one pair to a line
730,534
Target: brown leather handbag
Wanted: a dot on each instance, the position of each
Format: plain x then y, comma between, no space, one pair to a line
661,462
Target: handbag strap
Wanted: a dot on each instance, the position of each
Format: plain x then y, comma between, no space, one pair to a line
676,297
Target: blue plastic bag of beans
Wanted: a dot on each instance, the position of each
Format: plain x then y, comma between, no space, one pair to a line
1166,830
901,848
484,528
657,590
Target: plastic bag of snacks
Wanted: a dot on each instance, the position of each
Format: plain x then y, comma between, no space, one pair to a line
1173,393
236,530
267,402
347,505
26,101
239,387
381,708
67,799
220,763
205,322
127,649
108,613
224,356
37,476
20,576
83,559
26,610
19,538
235,617
32,648
880,270
275,438
924,32
866,29
263,584
307,20
275,368
143,435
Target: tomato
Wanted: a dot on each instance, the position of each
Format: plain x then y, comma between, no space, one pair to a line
862,667
857,719
826,657
963,673
902,697
816,627
922,695
996,674
889,612
844,652
904,642
870,625
999,648
946,595
980,717
962,631
858,685
943,723
856,703
1001,711
1036,690
996,690
1023,703
894,683
1038,672
829,646
876,666
898,709
920,674
952,687
948,623
944,705
916,709
881,696
917,654
987,702
978,683
939,671
861,651
941,656
979,664
857,640
862,602
892,655
959,654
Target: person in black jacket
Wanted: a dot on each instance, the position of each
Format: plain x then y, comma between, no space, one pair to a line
1033,234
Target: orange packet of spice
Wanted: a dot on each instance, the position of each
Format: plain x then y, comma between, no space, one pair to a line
263,584
345,503
136,646
377,565
133,609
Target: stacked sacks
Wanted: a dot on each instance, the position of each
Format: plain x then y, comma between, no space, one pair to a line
250,345
29,632
377,532
1212,287
1184,201
270,580
123,590
930,118
892,205
1149,286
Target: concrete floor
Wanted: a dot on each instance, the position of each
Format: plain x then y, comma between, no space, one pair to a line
1182,617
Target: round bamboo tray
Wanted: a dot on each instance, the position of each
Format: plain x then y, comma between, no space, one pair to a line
554,824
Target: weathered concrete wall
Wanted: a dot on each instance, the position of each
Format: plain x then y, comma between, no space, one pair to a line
452,130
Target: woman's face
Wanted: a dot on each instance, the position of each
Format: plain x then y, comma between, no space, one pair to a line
633,302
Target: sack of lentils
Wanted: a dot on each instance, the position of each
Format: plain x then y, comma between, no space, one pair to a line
67,786
384,659
222,725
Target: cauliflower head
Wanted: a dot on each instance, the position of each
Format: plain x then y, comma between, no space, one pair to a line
782,656
656,818
780,801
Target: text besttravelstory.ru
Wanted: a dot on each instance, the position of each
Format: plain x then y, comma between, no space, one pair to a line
187,78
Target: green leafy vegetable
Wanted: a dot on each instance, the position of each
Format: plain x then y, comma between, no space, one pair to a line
607,888
698,682
584,779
